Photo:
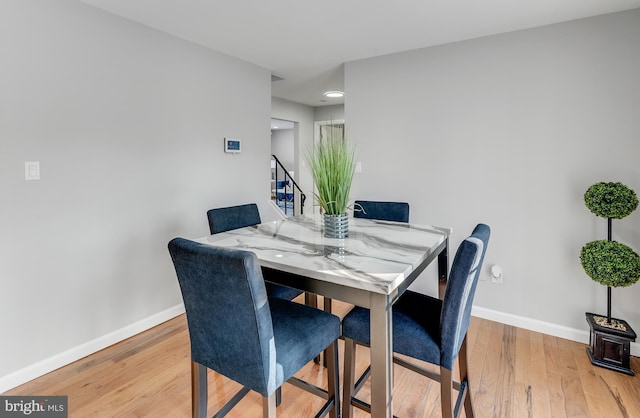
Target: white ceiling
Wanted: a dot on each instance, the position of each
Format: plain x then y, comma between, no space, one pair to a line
306,43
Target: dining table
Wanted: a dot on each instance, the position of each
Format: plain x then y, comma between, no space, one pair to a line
371,268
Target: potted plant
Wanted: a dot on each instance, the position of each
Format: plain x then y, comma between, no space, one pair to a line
332,165
612,264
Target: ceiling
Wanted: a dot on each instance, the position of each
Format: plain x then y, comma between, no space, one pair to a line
306,43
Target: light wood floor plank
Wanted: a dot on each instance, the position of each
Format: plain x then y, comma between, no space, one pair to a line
513,373
488,401
592,384
575,401
539,389
523,400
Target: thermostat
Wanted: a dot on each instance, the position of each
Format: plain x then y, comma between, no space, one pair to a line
232,145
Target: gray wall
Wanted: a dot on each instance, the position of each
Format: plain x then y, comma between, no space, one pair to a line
128,125
282,146
333,112
511,130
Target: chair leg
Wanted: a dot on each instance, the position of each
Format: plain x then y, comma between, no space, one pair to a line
311,299
269,406
327,304
464,377
333,377
446,392
278,396
327,308
198,390
349,377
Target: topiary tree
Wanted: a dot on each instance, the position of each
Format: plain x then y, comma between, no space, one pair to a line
611,200
608,262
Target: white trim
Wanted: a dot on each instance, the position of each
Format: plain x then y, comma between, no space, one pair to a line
276,210
578,335
50,364
45,366
317,124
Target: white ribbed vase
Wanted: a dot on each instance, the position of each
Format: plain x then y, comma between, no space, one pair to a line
336,226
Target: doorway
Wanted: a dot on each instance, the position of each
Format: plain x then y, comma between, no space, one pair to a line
285,192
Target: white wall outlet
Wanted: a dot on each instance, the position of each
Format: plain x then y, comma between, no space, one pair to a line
32,170
358,167
497,276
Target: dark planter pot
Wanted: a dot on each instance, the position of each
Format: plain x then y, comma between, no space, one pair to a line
610,347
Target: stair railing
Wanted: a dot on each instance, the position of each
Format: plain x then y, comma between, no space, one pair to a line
285,178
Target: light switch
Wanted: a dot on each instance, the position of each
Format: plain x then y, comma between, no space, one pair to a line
32,170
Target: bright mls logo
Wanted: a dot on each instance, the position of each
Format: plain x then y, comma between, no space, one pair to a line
33,406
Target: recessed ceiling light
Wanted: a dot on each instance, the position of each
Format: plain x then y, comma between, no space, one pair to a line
334,93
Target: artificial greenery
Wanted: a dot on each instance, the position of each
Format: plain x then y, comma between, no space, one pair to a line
610,263
332,166
610,200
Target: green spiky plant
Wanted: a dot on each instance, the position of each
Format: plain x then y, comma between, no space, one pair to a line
332,166
608,262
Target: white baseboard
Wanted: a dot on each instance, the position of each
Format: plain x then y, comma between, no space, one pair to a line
45,366
578,335
50,364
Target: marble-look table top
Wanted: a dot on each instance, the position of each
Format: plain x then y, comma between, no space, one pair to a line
377,256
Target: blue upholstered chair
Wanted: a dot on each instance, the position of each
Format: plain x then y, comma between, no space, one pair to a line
234,217
384,211
237,331
427,329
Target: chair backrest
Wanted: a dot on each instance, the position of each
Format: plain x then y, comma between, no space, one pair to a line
458,296
233,217
227,312
384,211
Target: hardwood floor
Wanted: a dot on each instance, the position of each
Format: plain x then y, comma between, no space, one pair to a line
513,372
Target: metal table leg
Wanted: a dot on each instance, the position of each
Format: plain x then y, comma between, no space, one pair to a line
381,356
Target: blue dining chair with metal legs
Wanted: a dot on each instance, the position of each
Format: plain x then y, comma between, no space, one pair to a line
427,329
234,217
237,331
384,211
